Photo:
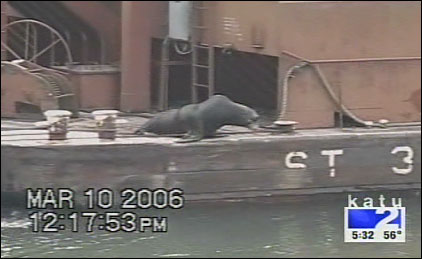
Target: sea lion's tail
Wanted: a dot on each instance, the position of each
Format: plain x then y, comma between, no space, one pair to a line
144,128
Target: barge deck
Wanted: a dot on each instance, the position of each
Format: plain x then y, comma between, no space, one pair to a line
237,165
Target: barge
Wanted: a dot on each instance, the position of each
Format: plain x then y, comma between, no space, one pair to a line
346,74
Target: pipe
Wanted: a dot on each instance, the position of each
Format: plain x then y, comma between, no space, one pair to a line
164,75
103,51
287,53
404,124
84,51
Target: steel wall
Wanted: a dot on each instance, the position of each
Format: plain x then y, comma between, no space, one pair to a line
338,31
320,29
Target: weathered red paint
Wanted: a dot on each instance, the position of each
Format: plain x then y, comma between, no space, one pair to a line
139,25
386,33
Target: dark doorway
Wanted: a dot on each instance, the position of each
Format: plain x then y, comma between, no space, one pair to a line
247,78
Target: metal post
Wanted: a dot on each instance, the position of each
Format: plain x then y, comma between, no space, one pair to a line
34,58
3,29
106,124
195,56
58,121
211,72
53,52
27,34
164,75
194,75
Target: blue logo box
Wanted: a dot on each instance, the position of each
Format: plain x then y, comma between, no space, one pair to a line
368,218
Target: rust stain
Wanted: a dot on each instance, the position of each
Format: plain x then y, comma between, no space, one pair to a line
415,99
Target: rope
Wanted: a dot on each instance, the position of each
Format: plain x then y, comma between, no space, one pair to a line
285,88
284,82
337,102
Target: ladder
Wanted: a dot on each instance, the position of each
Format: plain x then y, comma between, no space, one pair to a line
206,79
202,61
203,58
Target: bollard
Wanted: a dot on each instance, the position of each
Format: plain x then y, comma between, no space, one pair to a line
106,123
285,126
384,123
57,121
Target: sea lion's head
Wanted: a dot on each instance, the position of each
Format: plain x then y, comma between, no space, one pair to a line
233,113
247,117
253,120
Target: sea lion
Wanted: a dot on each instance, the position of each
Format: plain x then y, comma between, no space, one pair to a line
201,120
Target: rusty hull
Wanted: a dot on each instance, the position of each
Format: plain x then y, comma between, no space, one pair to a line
235,166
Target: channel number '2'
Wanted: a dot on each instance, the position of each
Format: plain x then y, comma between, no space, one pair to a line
384,222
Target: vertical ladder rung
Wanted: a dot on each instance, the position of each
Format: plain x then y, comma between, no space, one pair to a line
201,7
202,46
200,27
201,66
201,85
211,72
209,67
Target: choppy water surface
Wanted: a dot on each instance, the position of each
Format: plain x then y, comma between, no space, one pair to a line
270,227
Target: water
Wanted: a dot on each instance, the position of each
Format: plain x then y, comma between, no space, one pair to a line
309,226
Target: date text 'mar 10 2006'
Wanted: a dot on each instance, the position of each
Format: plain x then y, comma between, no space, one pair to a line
129,199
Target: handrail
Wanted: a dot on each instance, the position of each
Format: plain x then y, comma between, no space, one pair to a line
287,53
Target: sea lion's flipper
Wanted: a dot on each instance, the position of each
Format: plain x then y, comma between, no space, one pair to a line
188,135
140,131
189,139
195,134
